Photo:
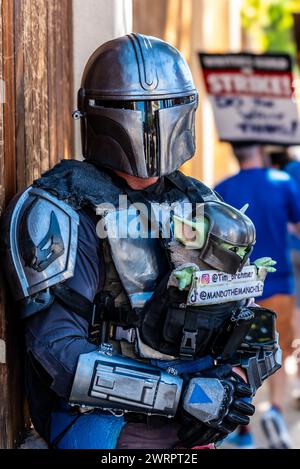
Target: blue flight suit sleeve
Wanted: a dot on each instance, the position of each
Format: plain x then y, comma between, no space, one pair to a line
56,337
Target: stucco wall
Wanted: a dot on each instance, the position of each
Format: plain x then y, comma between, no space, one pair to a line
94,22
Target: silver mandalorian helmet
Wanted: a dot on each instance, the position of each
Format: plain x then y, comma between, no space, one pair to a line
137,105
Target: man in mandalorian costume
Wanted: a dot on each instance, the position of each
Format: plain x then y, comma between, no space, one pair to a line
136,337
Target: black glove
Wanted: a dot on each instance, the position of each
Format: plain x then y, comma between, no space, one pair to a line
234,411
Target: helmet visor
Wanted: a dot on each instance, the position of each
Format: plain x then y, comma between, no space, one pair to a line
153,137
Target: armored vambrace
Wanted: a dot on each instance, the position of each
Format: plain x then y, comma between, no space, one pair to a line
118,384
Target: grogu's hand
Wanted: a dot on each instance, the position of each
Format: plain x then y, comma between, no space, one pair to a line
184,277
265,263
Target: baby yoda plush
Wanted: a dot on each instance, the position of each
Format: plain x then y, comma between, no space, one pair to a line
209,283
200,243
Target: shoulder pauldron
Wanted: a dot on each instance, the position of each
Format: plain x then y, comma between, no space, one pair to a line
41,242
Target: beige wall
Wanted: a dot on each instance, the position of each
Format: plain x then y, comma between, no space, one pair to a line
215,27
94,22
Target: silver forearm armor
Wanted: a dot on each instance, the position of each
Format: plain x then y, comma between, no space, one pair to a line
120,384
116,383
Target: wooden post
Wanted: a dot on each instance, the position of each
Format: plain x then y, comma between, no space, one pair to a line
35,132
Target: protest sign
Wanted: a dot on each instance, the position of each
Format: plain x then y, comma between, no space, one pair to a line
252,97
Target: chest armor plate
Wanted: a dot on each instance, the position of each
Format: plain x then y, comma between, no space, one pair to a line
136,248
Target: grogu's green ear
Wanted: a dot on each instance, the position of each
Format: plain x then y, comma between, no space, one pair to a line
191,234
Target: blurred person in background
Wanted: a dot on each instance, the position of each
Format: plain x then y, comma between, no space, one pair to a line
285,160
274,202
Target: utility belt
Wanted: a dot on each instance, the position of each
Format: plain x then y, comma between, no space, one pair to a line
165,325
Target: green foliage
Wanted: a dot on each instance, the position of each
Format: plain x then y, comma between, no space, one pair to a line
272,22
